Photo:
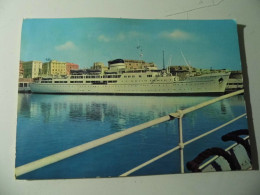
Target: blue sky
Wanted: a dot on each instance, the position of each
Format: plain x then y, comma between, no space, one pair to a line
84,41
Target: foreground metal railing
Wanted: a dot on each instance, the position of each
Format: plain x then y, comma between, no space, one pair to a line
87,146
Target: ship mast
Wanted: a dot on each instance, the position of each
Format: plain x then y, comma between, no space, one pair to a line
139,47
186,61
163,61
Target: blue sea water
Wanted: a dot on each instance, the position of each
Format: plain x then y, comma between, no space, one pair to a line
48,124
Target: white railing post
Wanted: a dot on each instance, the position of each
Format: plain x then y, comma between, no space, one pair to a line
181,145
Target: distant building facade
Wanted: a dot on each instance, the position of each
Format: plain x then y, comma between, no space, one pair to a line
71,66
24,84
21,69
139,64
181,71
99,66
54,67
31,69
182,68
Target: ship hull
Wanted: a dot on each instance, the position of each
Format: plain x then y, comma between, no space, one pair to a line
209,84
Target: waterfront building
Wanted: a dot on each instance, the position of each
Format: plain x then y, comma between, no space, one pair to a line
80,71
182,68
139,64
181,71
31,69
54,68
71,66
21,69
24,85
99,66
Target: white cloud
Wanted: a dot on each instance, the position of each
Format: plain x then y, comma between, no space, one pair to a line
69,45
178,35
135,34
130,34
103,38
119,37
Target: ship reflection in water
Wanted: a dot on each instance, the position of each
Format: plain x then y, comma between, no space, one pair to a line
48,124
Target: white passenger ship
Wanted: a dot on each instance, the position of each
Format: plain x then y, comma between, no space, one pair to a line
117,80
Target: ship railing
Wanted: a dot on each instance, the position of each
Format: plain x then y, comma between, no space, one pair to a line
23,169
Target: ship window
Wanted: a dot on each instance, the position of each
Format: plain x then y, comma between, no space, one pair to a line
20,84
76,81
60,81
149,75
140,75
46,82
112,81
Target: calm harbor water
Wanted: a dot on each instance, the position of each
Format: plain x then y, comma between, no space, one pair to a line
48,124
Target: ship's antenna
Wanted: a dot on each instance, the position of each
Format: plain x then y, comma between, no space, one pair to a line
170,60
185,60
163,61
139,47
